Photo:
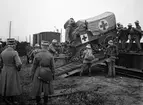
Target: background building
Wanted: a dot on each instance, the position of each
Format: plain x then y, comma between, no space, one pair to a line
47,36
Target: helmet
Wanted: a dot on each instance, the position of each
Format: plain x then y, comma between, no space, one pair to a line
45,74
129,24
110,42
88,46
136,21
37,45
118,24
54,41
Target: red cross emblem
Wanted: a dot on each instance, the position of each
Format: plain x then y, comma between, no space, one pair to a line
103,25
84,38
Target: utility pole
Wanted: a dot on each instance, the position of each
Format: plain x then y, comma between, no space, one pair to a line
10,30
30,39
26,38
61,36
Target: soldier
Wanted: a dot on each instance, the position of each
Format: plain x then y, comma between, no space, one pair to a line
35,51
42,74
122,33
52,47
1,47
138,28
133,36
111,53
28,50
11,64
69,27
88,57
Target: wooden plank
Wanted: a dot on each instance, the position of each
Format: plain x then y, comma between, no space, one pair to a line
70,73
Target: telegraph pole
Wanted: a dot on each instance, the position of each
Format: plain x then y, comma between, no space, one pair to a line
10,30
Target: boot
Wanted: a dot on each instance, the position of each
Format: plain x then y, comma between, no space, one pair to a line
45,100
38,99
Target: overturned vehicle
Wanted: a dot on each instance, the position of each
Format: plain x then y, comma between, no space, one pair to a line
96,31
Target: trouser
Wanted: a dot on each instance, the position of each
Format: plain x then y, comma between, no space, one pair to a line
111,68
84,67
137,41
123,44
27,59
38,99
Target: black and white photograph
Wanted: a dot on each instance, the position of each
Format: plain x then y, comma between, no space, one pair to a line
71,52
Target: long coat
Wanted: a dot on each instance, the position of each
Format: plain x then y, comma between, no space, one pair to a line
44,59
9,78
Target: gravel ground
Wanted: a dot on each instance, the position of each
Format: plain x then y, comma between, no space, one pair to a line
95,90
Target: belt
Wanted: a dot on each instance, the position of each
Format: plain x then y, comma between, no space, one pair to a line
12,65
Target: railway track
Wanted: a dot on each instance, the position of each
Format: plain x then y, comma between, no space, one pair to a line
74,67
130,72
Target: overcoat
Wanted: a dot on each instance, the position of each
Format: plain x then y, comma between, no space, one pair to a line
43,59
9,77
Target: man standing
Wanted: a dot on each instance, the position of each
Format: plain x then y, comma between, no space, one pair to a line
138,28
42,70
35,51
11,64
133,36
88,57
69,27
122,33
28,51
52,47
111,53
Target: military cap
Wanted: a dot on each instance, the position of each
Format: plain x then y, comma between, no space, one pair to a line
54,41
136,21
110,41
45,43
88,46
37,45
10,41
129,24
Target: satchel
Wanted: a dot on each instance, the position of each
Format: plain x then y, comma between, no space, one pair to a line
45,74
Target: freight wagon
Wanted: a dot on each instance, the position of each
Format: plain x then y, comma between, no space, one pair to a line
47,36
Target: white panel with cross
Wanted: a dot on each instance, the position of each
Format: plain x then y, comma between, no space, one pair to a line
84,38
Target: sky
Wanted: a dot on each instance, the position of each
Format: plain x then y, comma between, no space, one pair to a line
33,16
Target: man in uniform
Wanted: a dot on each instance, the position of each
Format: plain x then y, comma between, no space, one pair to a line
52,47
133,36
42,61
10,64
35,51
111,53
1,47
122,33
28,51
88,57
138,28
69,27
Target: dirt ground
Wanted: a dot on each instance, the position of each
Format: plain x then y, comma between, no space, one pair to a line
95,90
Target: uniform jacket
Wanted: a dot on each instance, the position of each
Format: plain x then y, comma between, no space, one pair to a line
9,79
52,49
88,56
112,50
43,59
35,51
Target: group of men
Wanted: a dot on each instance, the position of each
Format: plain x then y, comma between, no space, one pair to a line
110,54
130,33
53,49
42,73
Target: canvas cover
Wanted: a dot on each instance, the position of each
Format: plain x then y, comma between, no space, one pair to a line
101,23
